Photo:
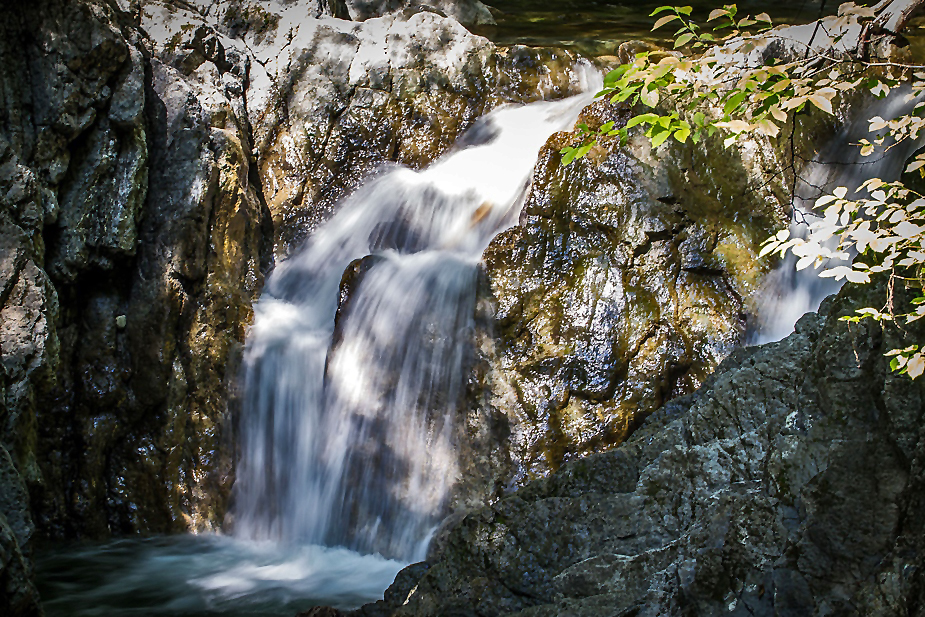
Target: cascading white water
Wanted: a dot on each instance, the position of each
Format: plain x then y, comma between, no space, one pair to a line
788,294
347,436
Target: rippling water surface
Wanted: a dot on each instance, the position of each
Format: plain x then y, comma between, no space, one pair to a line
597,27
201,576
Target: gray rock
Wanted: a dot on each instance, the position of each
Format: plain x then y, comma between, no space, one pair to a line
330,100
778,488
466,12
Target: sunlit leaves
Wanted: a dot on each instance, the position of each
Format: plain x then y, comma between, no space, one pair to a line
710,83
850,8
888,228
665,20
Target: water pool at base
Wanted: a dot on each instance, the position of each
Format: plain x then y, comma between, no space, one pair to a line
203,576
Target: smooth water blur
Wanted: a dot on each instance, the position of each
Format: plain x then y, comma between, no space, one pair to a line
788,294
348,429
202,576
346,440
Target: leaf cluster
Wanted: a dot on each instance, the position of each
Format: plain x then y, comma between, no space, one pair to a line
713,85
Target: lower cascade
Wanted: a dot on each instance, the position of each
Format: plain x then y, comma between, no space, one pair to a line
349,411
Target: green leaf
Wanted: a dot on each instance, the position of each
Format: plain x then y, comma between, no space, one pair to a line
606,126
661,9
685,10
682,134
656,129
664,20
641,119
650,97
682,40
568,155
615,75
625,93
733,102
660,138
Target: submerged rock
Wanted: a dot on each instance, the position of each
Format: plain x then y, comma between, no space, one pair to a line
789,484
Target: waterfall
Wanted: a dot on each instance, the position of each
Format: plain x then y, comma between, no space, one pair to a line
350,403
788,294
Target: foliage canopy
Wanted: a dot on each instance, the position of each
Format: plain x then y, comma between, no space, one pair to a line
717,79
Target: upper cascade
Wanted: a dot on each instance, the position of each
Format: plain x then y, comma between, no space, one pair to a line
352,387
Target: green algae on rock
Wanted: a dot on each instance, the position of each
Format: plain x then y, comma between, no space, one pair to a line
624,285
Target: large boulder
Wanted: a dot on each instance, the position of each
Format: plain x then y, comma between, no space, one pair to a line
624,285
791,483
330,101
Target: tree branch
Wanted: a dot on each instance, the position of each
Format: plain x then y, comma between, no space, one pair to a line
893,16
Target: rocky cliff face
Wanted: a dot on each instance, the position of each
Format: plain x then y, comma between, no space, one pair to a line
625,284
133,244
154,156
331,100
789,484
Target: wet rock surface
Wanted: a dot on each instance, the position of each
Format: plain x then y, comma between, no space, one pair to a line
92,326
625,284
332,100
152,155
789,484
133,243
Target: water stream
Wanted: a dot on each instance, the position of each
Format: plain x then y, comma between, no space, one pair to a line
348,438
788,294
347,451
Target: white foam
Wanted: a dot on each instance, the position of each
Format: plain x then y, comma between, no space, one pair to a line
356,447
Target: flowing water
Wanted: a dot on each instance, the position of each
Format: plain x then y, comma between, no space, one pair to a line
788,294
350,397
200,576
347,453
349,422
597,27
